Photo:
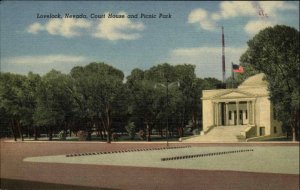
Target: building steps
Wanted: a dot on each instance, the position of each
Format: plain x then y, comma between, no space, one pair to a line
220,134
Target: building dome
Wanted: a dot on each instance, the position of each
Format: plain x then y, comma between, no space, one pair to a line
254,81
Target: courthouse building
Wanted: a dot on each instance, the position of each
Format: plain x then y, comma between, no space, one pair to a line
247,106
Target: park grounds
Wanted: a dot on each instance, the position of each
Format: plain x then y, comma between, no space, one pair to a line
17,173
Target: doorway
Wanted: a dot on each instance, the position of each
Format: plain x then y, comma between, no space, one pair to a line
262,131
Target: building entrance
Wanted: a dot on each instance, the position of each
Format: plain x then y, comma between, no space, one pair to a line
233,113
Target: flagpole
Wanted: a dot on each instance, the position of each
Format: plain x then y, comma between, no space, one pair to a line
232,75
223,55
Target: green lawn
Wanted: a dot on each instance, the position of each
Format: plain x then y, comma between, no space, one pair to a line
267,159
270,138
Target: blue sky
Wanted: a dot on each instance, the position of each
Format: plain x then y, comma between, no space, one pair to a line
192,34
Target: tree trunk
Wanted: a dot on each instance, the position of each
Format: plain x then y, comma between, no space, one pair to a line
35,133
105,131
101,134
161,132
108,125
294,133
50,133
108,136
13,130
180,131
148,132
89,128
65,130
70,128
100,130
20,130
295,124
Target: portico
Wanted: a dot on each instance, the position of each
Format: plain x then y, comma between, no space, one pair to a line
234,112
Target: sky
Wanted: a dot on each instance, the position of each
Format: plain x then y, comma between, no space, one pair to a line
190,32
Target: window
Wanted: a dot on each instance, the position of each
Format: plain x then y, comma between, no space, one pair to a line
229,115
275,129
246,113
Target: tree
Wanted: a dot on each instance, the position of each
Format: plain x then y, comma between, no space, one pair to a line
28,96
99,94
148,89
147,103
275,52
12,101
54,102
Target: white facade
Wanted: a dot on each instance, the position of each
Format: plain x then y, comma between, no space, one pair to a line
247,105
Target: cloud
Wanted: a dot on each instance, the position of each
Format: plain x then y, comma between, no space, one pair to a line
230,9
201,17
107,28
63,27
206,59
35,28
118,28
249,10
254,26
43,63
45,59
67,27
272,7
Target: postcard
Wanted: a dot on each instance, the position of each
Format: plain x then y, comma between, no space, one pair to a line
149,95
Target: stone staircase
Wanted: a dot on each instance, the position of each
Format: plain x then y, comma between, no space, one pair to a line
220,134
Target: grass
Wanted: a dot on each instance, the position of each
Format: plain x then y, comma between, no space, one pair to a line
268,159
269,138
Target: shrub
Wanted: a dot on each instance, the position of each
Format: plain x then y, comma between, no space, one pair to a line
82,135
62,135
115,136
196,132
130,128
142,135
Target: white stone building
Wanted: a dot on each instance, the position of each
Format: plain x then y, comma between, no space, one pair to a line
247,107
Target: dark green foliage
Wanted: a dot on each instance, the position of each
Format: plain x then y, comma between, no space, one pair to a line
100,96
275,52
153,107
94,98
54,102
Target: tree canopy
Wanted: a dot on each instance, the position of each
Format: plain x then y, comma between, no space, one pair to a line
275,52
96,99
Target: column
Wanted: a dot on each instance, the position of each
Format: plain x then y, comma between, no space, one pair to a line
213,115
237,113
226,114
253,112
219,113
248,112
